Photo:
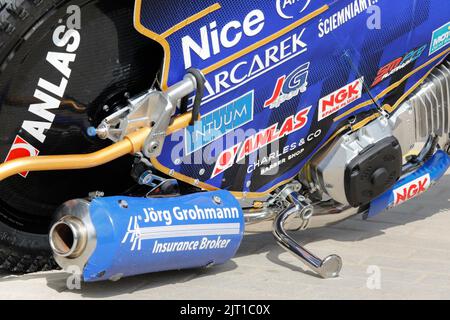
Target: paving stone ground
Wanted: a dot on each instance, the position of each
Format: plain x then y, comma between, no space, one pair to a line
409,248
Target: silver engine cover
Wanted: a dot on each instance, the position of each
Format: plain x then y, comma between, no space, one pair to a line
431,104
426,112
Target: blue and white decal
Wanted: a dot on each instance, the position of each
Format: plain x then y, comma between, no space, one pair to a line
157,234
440,39
219,122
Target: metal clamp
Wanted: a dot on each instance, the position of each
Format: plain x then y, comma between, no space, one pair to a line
166,102
154,109
329,267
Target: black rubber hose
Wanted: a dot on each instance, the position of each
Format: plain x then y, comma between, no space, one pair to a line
200,78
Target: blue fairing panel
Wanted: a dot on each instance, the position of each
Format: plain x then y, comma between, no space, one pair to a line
285,76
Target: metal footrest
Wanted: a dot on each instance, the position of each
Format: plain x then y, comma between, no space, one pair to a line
329,267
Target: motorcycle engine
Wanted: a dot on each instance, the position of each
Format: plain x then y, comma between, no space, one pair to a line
362,165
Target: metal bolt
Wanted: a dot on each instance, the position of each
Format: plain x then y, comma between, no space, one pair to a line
146,178
102,132
217,200
123,204
352,120
153,147
307,214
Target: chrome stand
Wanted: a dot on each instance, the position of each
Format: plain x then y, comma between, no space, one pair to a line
326,268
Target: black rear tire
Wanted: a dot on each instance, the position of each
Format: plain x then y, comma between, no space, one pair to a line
24,245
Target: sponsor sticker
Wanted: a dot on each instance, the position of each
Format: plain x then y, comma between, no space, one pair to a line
66,40
215,38
340,99
287,9
21,149
219,122
398,64
142,227
253,66
346,14
440,38
257,141
267,164
412,189
288,87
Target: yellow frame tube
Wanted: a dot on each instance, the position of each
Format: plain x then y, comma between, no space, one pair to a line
131,144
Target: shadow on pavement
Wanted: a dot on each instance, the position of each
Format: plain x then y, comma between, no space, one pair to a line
137,283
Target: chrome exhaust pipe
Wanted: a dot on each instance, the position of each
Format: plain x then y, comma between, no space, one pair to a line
323,216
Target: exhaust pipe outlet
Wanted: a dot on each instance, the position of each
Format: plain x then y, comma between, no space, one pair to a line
68,237
114,237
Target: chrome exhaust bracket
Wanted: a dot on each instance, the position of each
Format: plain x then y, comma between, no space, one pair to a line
329,267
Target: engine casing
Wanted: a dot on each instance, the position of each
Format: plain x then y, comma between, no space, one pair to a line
362,165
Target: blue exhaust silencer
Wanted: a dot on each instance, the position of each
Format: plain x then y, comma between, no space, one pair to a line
413,184
111,238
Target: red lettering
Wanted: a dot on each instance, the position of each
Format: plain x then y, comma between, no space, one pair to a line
353,89
423,185
341,96
412,189
225,158
386,70
247,148
301,119
412,192
326,104
287,128
265,137
277,92
401,197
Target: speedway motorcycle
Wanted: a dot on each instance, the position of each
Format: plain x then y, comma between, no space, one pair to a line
143,136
